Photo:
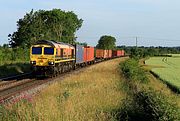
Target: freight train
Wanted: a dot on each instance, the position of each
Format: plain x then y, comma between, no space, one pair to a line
51,58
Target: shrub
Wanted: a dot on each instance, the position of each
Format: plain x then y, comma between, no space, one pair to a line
133,71
148,106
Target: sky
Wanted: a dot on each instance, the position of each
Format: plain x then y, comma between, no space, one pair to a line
153,22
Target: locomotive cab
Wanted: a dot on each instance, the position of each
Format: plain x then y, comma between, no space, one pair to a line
42,55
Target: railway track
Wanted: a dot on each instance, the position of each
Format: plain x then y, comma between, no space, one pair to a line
16,77
11,94
7,94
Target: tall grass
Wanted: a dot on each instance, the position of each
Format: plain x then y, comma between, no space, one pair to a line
89,95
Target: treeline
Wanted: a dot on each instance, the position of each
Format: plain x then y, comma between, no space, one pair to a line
141,52
12,55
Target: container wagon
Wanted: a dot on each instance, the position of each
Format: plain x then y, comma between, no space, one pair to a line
84,55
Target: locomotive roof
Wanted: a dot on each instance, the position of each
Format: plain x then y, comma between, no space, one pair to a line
51,42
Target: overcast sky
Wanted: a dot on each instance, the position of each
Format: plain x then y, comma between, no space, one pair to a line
154,22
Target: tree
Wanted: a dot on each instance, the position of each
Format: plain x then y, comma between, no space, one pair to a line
53,24
106,42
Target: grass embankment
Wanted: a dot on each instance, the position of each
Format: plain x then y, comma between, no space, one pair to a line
14,68
147,101
168,70
89,95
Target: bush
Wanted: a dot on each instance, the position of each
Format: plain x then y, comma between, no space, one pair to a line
133,71
11,55
158,106
148,106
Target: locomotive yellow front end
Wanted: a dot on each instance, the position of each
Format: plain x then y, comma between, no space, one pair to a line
42,55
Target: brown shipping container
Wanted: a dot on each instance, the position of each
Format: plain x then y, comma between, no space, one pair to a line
88,54
114,53
109,53
106,54
122,53
101,53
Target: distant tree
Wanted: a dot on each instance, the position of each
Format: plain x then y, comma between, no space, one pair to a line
5,45
106,42
82,43
53,24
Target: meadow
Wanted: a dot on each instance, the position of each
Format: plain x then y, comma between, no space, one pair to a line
167,69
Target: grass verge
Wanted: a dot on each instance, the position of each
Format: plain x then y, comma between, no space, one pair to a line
89,95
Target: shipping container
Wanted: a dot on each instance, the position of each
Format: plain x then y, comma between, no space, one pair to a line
114,53
88,54
79,54
100,53
122,53
119,53
109,53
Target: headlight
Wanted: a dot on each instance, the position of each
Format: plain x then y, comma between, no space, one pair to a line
33,62
51,63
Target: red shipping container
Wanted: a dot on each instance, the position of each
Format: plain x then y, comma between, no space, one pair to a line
119,53
88,54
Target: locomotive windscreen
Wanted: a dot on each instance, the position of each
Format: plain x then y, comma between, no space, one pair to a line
36,50
48,51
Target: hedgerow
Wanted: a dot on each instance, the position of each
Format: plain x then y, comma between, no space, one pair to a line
144,104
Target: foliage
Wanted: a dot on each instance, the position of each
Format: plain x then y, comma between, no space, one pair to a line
133,71
46,24
141,52
149,105
106,42
13,55
82,43
13,61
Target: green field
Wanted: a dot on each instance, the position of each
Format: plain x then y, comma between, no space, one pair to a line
167,68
